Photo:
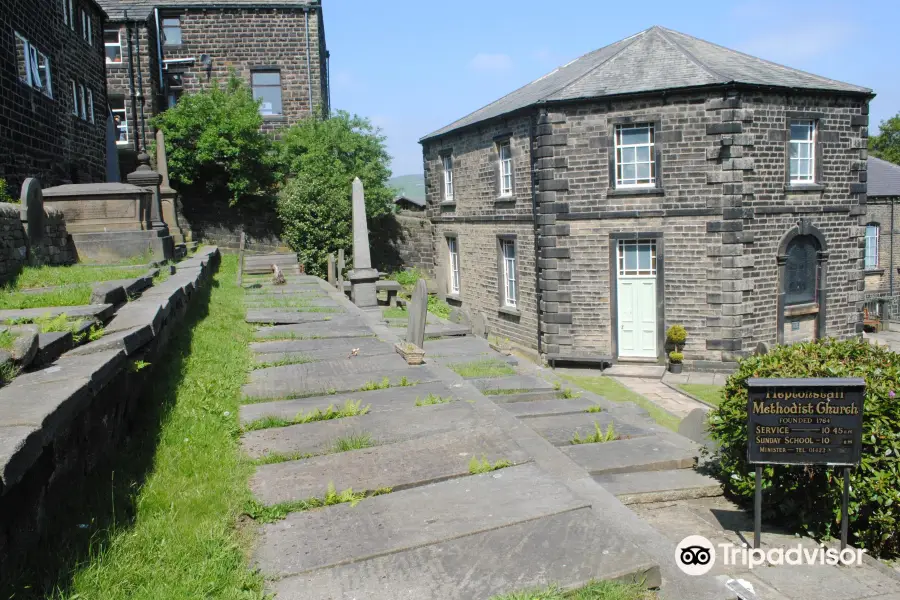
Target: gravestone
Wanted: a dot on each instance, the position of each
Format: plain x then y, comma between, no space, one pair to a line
144,176
418,312
32,209
341,265
694,428
363,276
480,325
167,196
332,280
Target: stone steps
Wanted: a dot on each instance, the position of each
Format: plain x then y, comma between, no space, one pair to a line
556,406
402,465
485,564
659,486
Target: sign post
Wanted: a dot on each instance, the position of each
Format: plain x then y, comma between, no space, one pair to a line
804,422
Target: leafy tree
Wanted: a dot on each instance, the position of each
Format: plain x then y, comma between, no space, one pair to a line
319,159
886,145
214,145
4,193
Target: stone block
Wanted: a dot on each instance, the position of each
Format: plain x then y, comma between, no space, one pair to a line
418,310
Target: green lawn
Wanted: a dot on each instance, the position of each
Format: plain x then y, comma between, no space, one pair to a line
34,277
598,590
490,367
77,295
711,394
395,312
616,392
182,543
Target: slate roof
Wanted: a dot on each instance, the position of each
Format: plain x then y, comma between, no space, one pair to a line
883,178
141,9
404,198
653,60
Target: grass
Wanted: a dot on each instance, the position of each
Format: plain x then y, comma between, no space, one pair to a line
432,399
350,409
595,590
275,512
594,409
47,323
301,359
599,436
35,277
7,339
8,372
483,465
616,392
356,441
490,367
76,295
385,383
438,307
278,457
179,540
499,392
711,394
395,312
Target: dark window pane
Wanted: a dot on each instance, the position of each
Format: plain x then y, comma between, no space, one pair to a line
801,271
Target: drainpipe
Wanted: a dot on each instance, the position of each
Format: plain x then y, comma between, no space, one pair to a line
308,63
134,118
159,53
140,82
537,227
891,274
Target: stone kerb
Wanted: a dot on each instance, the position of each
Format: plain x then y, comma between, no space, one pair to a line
57,423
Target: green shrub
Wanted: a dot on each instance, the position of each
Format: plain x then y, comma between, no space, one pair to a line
4,193
320,159
809,498
675,357
676,335
214,145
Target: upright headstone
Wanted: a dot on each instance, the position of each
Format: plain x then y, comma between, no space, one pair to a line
363,276
332,280
418,313
341,265
32,209
144,176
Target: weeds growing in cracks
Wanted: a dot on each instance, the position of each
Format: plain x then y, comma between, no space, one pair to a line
483,465
598,437
270,514
350,409
432,399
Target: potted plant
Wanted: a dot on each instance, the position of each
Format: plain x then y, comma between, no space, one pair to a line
412,353
676,335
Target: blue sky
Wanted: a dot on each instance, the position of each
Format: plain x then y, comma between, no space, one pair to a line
412,66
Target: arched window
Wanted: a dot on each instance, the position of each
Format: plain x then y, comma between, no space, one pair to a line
872,232
801,271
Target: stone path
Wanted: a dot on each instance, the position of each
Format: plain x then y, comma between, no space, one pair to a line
556,514
662,395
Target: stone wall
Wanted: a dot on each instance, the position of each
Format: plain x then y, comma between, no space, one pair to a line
54,248
719,216
220,224
58,429
416,243
39,134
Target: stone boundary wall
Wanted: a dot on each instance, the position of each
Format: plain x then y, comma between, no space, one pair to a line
58,424
416,243
54,248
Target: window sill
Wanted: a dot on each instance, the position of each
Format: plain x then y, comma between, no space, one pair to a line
509,310
448,205
804,187
504,200
874,271
797,310
637,191
116,65
453,298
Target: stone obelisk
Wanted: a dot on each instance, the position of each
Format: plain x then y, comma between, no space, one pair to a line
363,276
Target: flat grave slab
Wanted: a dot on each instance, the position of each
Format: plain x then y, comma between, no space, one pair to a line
647,453
401,465
406,519
512,382
292,384
100,312
322,349
528,397
390,427
560,429
302,302
260,289
484,565
51,346
348,328
659,486
286,316
398,398
334,367
557,406
459,346
446,330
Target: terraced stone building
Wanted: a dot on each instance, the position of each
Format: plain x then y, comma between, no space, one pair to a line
661,179
156,51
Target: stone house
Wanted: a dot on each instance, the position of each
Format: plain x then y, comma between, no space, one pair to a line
882,252
661,179
52,92
157,51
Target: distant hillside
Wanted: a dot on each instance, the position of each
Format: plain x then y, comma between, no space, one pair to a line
411,186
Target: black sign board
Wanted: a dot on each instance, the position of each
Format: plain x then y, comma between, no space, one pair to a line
805,421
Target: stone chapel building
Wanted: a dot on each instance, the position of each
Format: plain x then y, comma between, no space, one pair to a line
661,179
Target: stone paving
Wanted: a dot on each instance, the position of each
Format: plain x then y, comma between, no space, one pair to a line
555,514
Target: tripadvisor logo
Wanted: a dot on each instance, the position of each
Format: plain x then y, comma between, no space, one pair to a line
696,555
